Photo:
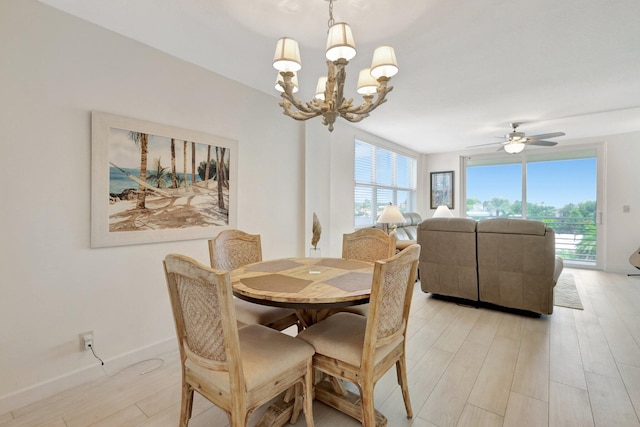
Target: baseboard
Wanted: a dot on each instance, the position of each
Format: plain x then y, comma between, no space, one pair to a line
621,269
31,394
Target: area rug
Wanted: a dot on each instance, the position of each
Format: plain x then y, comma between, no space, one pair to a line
565,293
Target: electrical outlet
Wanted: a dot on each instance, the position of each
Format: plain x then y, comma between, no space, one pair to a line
86,340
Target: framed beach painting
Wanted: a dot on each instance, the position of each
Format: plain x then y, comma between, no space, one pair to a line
442,189
155,183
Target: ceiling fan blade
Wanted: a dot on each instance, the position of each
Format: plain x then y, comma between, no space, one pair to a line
483,145
546,135
542,143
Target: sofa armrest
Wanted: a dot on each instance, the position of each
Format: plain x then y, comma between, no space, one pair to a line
557,269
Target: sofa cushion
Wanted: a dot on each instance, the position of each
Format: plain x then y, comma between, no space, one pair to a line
512,226
463,225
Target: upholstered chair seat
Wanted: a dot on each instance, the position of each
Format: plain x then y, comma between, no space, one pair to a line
341,337
263,361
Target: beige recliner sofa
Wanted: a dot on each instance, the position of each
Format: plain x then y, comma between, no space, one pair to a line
513,259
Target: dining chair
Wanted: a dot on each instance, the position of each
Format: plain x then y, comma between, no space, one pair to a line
361,349
237,369
366,244
232,249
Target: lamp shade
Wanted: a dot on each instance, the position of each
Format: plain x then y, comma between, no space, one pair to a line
442,211
384,63
391,215
514,147
320,88
294,80
287,56
340,43
367,85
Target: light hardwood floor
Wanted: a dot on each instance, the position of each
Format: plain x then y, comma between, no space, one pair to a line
467,367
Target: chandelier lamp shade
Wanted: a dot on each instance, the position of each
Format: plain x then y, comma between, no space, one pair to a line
329,101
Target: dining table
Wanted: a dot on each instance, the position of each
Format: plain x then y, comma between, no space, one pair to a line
315,288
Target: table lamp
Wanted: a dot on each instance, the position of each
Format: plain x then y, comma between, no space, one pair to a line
442,211
390,215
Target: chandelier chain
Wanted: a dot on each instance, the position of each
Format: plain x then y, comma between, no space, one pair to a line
331,21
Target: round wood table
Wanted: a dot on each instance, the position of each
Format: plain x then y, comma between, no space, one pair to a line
314,287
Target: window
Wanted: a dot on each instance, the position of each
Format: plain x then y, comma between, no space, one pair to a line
557,188
381,177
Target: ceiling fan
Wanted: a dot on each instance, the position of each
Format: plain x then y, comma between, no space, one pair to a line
516,141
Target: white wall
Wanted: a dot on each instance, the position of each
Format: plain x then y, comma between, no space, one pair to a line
54,70
621,179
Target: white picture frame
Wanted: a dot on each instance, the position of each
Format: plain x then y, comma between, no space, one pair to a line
171,210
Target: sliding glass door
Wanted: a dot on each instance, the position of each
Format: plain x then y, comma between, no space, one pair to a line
558,188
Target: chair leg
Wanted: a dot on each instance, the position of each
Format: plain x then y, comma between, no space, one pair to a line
367,403
187,404
308,395
297,403
239,418
401,370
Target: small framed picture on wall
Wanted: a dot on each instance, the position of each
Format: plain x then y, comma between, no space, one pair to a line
442,189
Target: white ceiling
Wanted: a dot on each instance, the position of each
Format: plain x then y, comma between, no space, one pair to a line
468,68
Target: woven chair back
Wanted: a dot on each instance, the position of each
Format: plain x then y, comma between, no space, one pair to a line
367,244
233,249
200,299
391,294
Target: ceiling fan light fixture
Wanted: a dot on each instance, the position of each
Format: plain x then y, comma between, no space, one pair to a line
514,147
516,137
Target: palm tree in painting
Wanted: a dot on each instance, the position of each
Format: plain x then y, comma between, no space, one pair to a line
184,156
208,165
193,163
220,151
141,140
159,174
174,181
225,169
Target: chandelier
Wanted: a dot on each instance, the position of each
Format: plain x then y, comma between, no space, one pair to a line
329,100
